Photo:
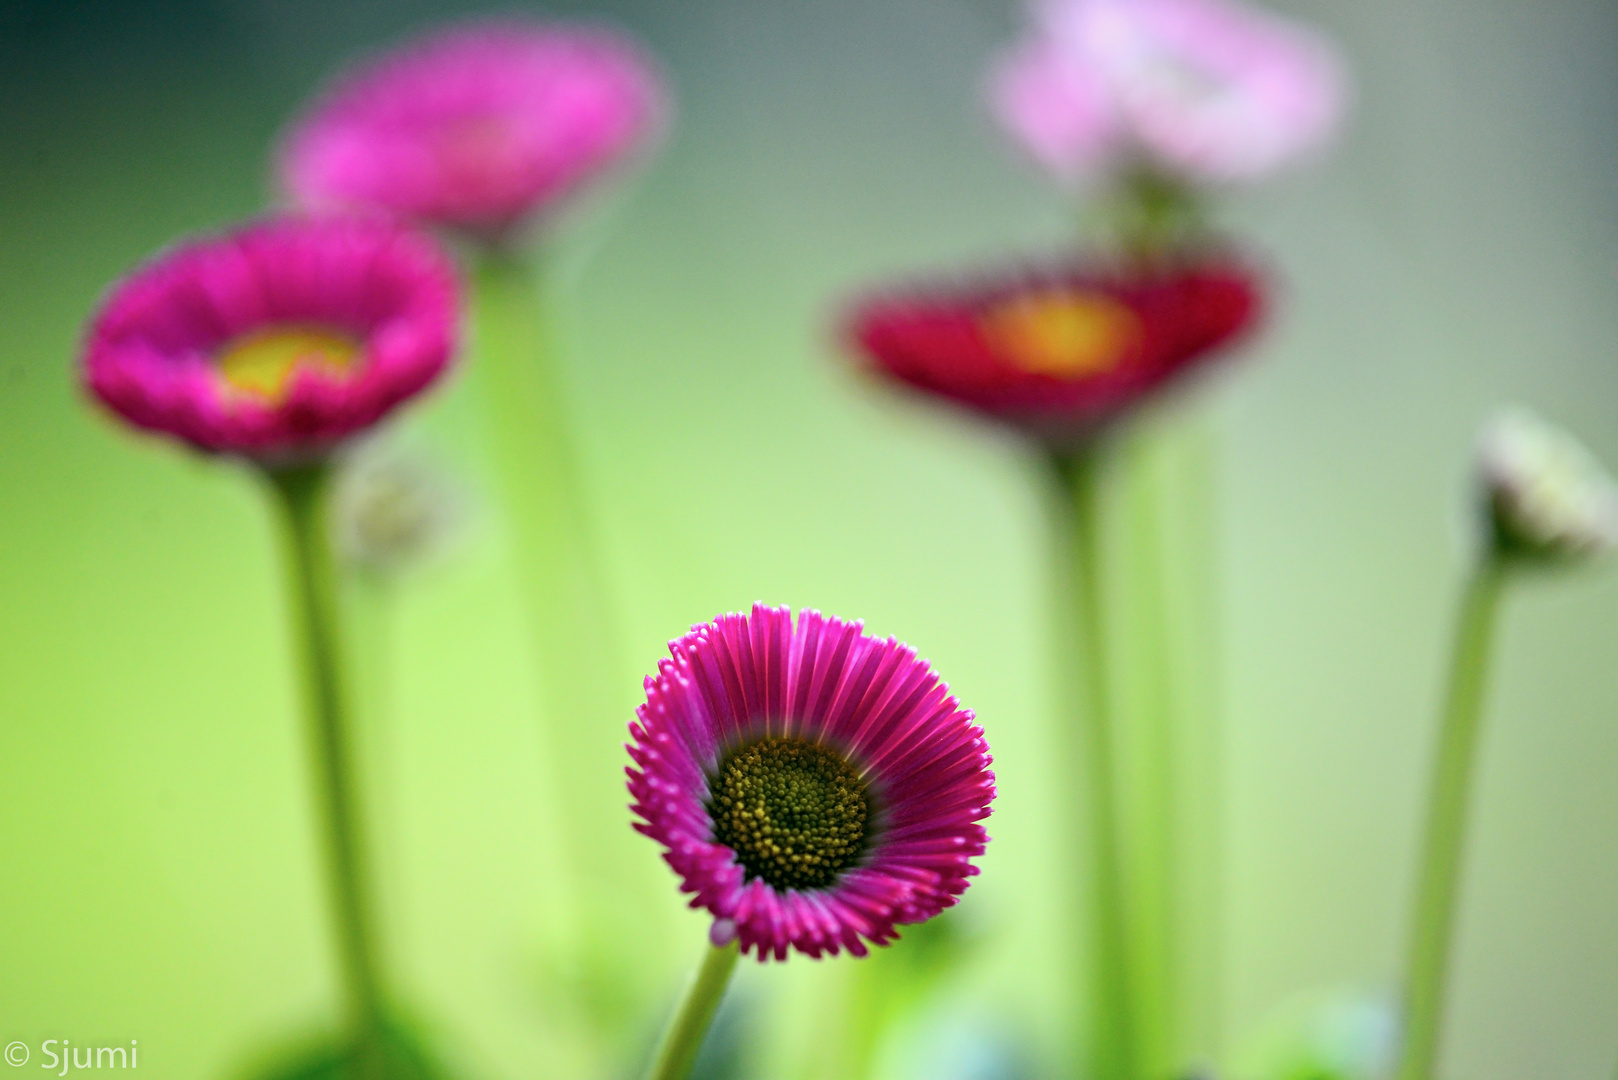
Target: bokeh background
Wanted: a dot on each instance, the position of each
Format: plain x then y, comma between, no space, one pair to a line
1460,250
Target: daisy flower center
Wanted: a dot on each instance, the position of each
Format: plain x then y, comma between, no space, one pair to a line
1063,334
796,814
264,362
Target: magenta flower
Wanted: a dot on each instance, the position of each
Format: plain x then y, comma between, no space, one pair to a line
812,785
1204,90
475,127
279,340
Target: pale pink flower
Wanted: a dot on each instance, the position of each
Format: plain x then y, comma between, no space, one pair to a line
1060,111
1209,91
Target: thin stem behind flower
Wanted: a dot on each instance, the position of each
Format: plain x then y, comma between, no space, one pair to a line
557,565
1434,917
1113,1036
311,581
1166,752
682,1039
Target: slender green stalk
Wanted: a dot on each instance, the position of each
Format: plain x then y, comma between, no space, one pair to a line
556,562
1166,738
1434,917
1145,735
311,581
370,629
682,1039
1113,1034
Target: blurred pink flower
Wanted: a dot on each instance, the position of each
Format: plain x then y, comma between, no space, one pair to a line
279,340
1061,111
1204,90
476,127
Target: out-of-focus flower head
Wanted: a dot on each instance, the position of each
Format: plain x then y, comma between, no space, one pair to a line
279,340
961,1043
476,127
394,508
1203,91
1058,353
812,785
1546,496
1324,1035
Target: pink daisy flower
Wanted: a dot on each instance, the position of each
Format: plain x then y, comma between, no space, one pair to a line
812,785
475,127
1205,90
1059,353
1059,110
279,340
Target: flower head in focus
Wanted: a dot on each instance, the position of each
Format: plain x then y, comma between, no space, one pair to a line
1058,353
393,508
476,127
277,341
812,785
1547,497
1204,91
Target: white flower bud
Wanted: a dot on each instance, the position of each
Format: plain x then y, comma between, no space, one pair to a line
1546,495
392,509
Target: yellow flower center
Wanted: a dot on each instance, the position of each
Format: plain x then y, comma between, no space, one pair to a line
795,813
264,362
1059,333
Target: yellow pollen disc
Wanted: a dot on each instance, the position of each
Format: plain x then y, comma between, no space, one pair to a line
262,363
1064,334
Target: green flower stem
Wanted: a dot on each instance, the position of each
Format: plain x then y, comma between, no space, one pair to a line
1446,820
311,580
1151,798
1166,736
563,592
682,1039
1155,216
1089,741
370,629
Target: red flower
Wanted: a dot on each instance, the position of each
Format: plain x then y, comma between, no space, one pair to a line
1059,353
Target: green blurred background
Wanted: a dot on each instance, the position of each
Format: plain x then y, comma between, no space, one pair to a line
158,874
